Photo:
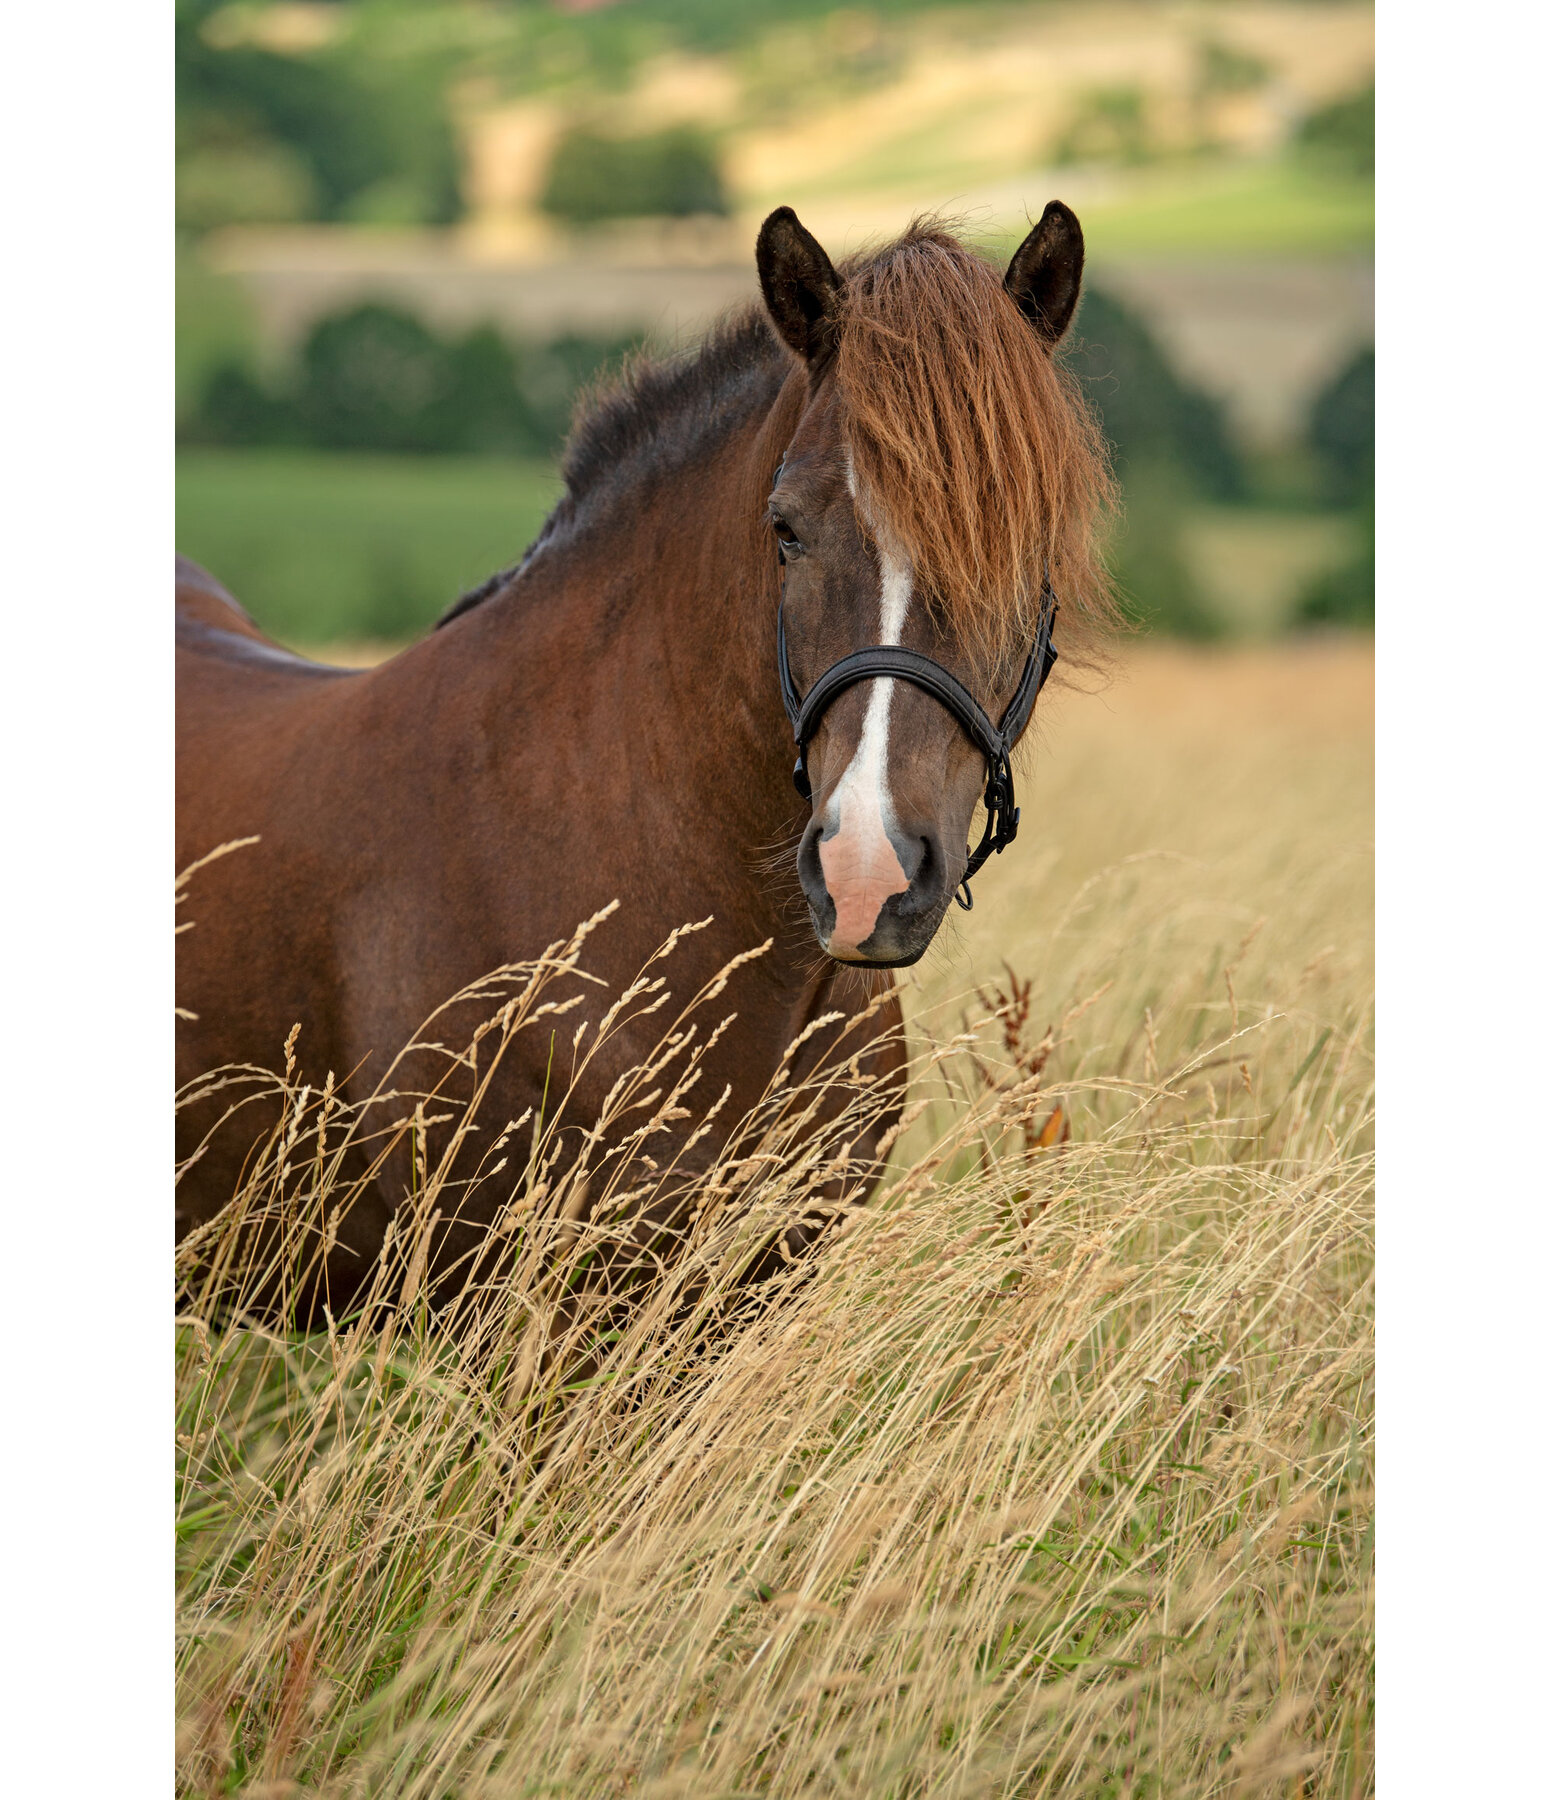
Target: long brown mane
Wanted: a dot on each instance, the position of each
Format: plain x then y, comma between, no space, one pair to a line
973,444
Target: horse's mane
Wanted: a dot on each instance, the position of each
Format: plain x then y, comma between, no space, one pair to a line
972,447
659,416
654,418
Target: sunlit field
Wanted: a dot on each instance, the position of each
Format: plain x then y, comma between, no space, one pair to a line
1051,1474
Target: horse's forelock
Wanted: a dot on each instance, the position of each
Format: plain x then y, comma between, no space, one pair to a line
973,444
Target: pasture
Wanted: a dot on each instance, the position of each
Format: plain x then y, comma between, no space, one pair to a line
322,547
1053,1475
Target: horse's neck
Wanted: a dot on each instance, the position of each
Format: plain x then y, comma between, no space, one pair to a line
650,640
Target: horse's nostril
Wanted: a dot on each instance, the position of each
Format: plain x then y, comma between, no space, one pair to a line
928,868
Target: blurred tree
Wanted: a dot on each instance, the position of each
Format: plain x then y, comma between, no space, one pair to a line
239,410
1345,595
1108,125
368,133
229,176
1342,434
1342,430
1222,71
1340,137
375,378
556,374
484,408
607,39
1147,412
1225,69
1146,556
672,173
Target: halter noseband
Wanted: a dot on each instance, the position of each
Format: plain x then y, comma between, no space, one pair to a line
994,742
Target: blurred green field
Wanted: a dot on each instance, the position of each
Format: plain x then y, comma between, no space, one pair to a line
1263,208
322,548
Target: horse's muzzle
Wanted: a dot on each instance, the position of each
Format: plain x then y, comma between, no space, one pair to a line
873,904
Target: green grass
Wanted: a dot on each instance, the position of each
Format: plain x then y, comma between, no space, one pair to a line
1177,206
1227,208
322,548
1212,208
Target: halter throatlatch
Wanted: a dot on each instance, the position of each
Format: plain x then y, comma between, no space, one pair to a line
994,742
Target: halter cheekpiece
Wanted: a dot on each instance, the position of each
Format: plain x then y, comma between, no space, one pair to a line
994,742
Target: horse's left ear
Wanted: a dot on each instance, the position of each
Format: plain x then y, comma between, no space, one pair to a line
1045,276
802,288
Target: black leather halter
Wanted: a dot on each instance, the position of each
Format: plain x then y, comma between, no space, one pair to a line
994,742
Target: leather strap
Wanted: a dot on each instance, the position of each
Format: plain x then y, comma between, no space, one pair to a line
994,742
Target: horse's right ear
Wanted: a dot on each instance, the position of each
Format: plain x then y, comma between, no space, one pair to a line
802,288
1044,276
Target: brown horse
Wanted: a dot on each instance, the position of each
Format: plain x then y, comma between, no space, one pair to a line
887,455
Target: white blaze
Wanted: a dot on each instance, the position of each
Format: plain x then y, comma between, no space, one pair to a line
861,799
860,864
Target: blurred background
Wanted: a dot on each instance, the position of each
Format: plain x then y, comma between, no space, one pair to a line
410,230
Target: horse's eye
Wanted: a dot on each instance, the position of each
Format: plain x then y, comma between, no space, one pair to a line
790,543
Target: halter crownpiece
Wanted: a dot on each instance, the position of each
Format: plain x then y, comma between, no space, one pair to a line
994,742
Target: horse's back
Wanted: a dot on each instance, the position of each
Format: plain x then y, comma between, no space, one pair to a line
213,626
252,723
201,601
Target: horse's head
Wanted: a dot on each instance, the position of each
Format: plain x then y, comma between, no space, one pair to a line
941,468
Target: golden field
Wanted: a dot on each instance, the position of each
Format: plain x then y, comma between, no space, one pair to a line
1052,1474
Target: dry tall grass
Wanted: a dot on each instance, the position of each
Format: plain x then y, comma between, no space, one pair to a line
1050,1475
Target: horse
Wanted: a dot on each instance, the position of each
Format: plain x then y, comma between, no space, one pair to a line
841,526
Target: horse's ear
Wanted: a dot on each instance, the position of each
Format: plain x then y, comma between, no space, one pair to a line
802,288
1045,276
